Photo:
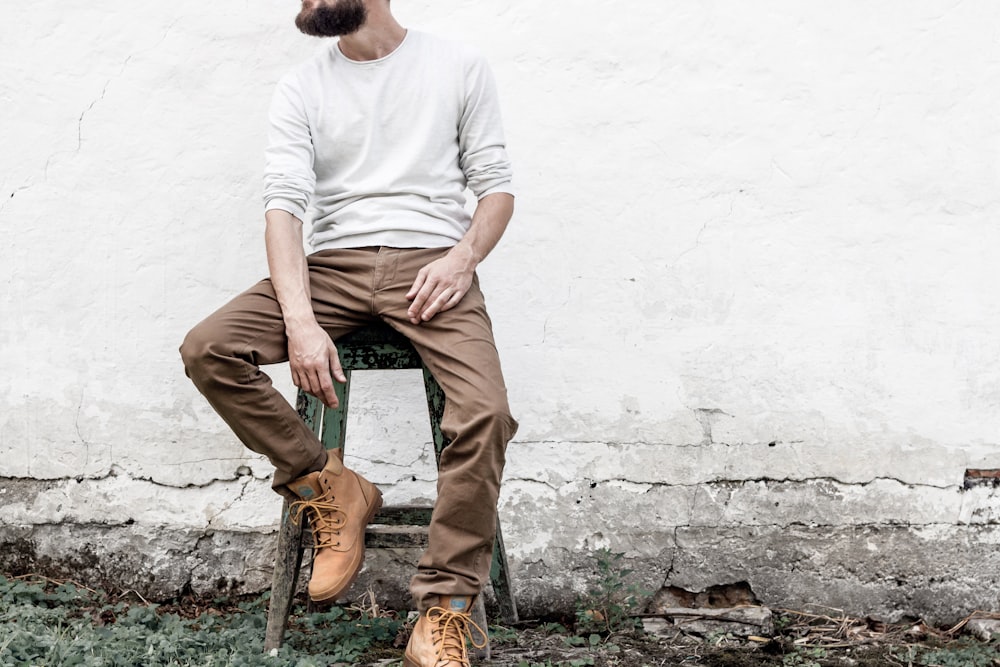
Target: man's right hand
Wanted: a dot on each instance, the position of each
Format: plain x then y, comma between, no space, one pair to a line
315,363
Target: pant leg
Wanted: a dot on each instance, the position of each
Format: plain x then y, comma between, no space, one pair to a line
223,355
458,347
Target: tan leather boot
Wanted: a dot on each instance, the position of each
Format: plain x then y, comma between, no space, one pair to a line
439,638
340,504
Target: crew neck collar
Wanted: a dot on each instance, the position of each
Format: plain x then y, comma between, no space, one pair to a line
362,63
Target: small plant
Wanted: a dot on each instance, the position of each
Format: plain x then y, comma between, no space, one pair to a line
608,606
553,628
803,658
500,634
782,622
963,653
344,635
578,662
720,638
592,640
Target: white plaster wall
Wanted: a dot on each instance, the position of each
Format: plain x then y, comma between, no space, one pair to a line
754,255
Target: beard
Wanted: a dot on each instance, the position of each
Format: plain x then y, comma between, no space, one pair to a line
343,18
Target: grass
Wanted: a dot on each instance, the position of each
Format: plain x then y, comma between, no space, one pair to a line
45,623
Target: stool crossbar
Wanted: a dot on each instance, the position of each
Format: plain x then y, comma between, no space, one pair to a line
374,347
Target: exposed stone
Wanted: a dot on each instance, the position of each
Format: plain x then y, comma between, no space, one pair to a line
740,621
984,629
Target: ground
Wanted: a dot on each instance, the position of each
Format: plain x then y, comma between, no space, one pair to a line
542,646
48,623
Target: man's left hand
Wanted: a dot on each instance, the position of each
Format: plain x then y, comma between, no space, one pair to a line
441,285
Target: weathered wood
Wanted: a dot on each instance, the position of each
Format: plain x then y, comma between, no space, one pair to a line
396,537
479,618
500,579
435,409
404,515
310,411
287,561
377,347
333,431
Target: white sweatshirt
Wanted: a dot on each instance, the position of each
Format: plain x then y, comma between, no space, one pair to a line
383,149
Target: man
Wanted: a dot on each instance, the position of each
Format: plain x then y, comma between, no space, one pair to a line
382,132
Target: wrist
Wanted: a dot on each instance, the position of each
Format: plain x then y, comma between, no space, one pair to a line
466,253
296,323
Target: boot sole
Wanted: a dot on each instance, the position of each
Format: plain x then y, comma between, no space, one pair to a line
331,597
409,662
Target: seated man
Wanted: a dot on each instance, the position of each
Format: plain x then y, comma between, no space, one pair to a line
381,132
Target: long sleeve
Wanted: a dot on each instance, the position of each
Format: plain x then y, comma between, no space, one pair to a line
289,177
483,153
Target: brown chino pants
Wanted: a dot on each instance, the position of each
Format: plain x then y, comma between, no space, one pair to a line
350,288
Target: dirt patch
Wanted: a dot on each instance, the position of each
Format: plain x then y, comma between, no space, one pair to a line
536,647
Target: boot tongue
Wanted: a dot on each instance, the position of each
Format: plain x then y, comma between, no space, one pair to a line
458,603
333,463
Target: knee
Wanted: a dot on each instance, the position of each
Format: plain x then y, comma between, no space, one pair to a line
197,351
498,414
490,413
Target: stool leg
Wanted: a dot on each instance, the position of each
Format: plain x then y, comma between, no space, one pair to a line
479,618
287,561
500,578
332,431
288,555
435,409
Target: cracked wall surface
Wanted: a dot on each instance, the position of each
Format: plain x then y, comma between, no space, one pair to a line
747,308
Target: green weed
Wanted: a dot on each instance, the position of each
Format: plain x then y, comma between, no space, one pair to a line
579,662
500,634
608,606
804,658
962,653
44,626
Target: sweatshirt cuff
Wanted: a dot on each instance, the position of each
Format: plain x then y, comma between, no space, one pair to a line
501,187
285,205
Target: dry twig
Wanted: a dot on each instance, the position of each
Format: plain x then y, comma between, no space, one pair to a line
55,582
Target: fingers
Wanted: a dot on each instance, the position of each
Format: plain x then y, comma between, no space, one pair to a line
418,294
444,300
319,384
431,300
324,377
338,371
317,373
325,391
434,292
418,284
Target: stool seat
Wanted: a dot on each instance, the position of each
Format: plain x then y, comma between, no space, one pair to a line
375,347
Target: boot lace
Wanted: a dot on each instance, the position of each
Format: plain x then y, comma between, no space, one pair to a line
450,631
325,518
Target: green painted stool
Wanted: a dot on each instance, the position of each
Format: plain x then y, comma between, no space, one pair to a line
374,347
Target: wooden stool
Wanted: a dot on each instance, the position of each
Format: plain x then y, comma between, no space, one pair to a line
374,347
